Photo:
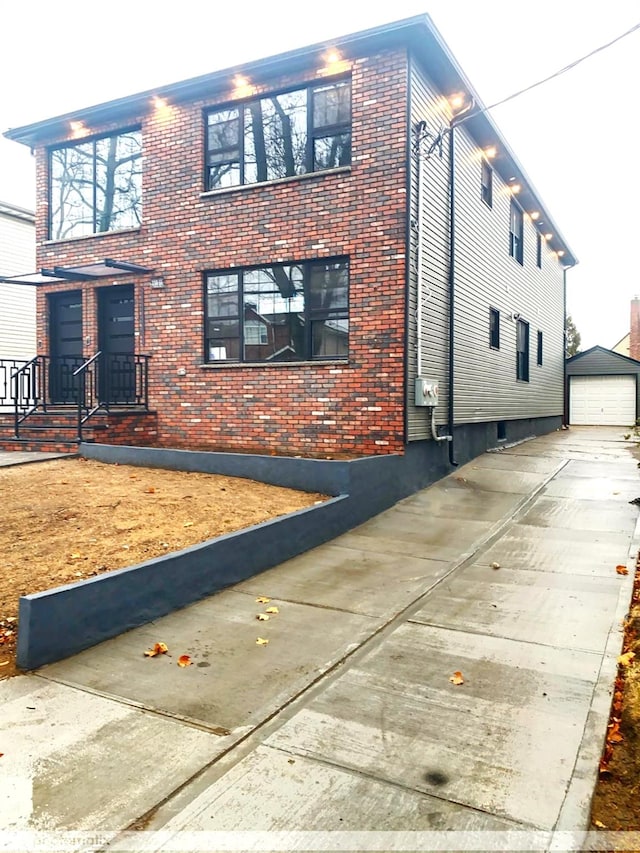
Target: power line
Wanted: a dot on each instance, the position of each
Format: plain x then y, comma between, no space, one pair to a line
551,76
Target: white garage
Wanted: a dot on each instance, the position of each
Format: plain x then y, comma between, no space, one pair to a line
605,400
602,388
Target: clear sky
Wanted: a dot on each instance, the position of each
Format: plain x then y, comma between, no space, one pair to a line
576,136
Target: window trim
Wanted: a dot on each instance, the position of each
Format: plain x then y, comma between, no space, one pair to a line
538,250
516,241
74,143
309,314
240,104
494,328
522,356
486,189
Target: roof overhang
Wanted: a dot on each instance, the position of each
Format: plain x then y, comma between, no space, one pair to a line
85,272
417,34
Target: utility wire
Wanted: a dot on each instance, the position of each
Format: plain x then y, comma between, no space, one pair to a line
551,76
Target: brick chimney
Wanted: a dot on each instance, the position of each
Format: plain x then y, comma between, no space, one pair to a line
634,331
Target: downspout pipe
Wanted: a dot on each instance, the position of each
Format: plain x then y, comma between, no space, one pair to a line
451,284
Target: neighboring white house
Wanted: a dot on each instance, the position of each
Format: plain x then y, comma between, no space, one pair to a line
17,302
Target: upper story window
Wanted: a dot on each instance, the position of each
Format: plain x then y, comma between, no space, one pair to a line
280,136
95,185
516,228
486,184
538,249
284,312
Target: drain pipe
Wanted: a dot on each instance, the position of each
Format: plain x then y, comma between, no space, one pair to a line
452,258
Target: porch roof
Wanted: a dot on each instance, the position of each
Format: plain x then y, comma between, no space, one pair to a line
85,272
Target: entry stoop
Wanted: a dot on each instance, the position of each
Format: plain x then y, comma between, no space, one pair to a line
56,431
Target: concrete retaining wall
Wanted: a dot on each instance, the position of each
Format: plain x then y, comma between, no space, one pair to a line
68,619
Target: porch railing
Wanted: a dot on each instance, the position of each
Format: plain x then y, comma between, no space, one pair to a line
8,367
98,383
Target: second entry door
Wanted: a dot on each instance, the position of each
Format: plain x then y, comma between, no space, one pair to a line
116,340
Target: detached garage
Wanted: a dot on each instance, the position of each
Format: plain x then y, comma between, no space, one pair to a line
602,388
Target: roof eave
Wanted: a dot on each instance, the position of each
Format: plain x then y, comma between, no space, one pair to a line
217,81
418,33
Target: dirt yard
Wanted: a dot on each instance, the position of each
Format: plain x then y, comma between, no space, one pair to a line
69,519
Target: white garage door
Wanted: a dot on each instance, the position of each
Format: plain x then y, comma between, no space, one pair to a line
607,400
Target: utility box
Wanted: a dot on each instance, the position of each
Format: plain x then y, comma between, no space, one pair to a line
426,392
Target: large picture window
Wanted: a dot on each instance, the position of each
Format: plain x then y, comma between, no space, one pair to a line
284,312
96,186
280,136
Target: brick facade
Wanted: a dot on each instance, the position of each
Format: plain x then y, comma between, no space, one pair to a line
319,408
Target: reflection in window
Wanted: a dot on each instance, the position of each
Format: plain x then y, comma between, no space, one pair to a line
280,136
96,186
290,312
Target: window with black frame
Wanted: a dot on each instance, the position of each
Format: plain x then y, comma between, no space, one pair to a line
282,312
494,328
522,350
486,183
280,136
516,229
95,185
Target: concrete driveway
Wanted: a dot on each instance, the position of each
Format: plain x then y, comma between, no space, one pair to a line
345,731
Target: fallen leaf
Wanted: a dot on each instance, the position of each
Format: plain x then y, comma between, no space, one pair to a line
262,617
1,754
622,570
599,824
150,491
158,649
262,599
188,524
626,658
614,735
184,660
457,678
262,642
4,663
272,610
75,556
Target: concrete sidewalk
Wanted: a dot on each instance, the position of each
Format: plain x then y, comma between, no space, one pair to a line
347,722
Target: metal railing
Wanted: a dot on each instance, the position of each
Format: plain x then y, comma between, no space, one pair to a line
105,381
8,367
98,383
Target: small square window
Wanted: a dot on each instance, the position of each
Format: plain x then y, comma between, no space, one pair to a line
486,184
539,357
494,328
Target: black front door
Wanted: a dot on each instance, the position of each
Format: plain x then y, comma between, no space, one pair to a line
65,344
116,315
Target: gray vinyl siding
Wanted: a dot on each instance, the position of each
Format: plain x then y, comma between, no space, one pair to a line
435,249
17,302
486,388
